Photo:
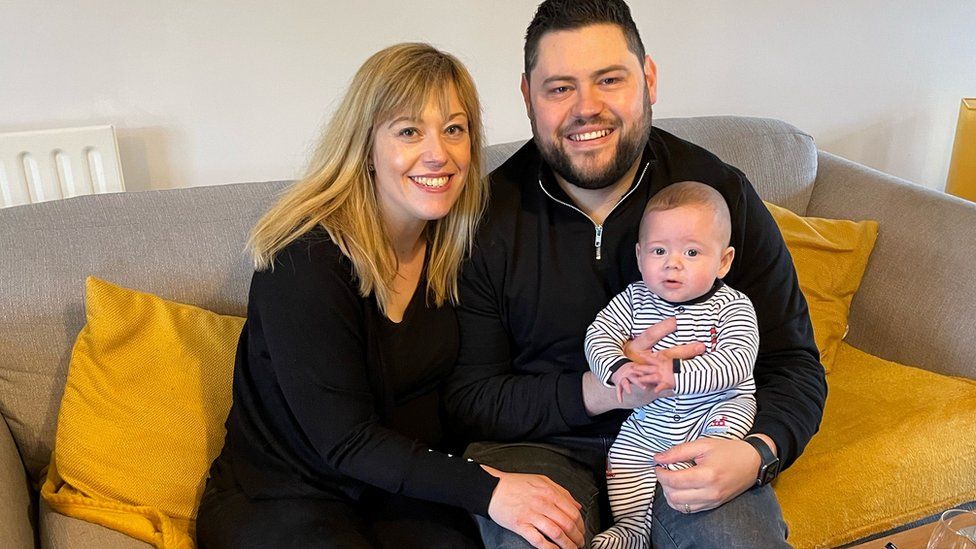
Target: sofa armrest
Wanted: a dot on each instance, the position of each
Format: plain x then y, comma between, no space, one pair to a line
15,503
916,302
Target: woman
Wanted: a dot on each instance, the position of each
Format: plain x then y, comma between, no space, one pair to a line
334,439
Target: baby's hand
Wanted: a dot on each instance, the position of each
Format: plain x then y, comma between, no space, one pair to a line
666,376
655,371
624,377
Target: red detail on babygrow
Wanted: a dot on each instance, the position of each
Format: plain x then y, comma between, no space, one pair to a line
718,422
714,337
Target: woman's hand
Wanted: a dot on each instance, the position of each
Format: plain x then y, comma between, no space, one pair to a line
536,508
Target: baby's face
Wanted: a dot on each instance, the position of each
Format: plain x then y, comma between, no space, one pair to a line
681,253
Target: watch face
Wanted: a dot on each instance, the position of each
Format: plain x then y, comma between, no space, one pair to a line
769,463
769,472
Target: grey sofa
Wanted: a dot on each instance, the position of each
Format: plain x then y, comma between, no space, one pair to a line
186,245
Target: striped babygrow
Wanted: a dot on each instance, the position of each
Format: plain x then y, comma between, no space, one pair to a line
713,394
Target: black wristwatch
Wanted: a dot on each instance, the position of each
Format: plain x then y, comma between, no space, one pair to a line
769,464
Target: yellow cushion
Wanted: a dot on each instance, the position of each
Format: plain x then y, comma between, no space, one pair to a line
830,256
896,444
148,390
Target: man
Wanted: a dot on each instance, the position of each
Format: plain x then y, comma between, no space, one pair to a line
557,244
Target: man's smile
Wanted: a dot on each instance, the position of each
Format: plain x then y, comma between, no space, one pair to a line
581,137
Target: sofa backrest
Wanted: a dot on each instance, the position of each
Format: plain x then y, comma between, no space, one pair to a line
187,245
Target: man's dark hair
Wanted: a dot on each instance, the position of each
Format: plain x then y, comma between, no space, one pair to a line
557,15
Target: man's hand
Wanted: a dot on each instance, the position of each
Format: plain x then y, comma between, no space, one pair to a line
536,508
723,469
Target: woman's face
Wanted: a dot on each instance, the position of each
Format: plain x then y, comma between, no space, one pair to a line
421,164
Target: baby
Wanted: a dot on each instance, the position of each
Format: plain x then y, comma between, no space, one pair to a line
682,252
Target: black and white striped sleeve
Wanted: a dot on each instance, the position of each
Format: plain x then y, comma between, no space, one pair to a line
606,336
732,360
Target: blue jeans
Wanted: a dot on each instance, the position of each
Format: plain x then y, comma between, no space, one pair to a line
578,464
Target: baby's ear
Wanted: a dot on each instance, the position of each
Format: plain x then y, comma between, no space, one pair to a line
727,256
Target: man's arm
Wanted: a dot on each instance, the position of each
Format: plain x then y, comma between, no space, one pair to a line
484,397
790,384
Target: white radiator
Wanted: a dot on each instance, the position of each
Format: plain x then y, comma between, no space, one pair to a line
53,164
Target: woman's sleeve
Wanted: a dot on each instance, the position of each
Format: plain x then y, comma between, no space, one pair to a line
314,327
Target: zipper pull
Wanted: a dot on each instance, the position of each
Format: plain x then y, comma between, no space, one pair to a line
598,241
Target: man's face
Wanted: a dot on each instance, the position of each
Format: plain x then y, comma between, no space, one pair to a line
589,99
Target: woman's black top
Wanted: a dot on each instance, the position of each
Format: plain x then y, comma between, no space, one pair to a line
330,396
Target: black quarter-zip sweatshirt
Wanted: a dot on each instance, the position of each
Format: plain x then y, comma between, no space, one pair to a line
541,270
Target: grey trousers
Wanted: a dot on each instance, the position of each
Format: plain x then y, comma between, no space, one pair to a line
753,519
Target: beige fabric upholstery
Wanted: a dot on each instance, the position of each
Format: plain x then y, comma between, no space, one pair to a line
61,532
779,159
15,504
917,301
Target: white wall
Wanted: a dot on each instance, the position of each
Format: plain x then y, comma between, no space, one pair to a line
224,91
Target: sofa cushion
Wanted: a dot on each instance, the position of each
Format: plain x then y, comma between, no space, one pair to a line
830,256
779,159
896,444
15,505
148,390
60,532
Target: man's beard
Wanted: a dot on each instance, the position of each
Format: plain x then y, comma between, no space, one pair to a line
630,145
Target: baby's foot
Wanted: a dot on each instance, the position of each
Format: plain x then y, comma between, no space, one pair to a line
679,466
618,537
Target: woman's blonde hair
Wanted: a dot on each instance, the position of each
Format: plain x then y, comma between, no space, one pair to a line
338,192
